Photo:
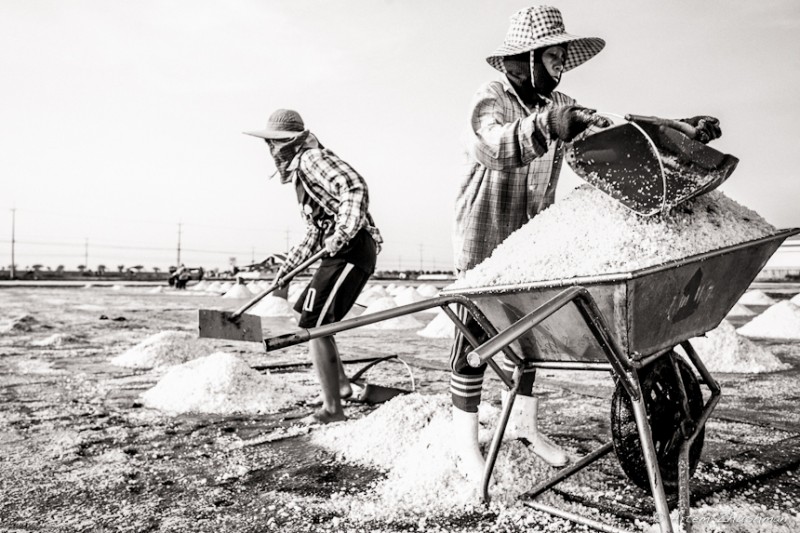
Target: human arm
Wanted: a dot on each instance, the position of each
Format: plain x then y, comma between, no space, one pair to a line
707,128
300,251
503,138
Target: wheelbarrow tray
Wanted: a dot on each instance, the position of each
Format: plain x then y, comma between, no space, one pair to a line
647,310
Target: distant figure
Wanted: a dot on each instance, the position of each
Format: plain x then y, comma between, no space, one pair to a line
334,202
181,277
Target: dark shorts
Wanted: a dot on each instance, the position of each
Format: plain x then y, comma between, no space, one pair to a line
336,285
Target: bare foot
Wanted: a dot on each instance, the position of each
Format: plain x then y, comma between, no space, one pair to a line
345,392
321,416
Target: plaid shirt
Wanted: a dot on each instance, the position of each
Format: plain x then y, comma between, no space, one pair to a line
512,170
340,191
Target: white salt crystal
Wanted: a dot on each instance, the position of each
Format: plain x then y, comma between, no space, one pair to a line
755,297
411,438
225,287
588,233
795,299
295,289
441,327
378,438
163,349
376,290
214,286
408,295
272,306
401,322
781,321
428,290
738,311
238,291
724,350
220,383
368,297
200,286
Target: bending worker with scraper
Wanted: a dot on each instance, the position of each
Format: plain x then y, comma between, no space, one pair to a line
519,125
334,201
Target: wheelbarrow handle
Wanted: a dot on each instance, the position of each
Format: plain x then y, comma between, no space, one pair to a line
278,283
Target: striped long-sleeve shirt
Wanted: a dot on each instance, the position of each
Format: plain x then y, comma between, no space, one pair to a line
340,191
512,169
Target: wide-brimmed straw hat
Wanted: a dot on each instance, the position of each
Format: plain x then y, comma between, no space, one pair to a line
282,124
539,27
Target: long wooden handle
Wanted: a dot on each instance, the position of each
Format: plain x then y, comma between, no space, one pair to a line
277,283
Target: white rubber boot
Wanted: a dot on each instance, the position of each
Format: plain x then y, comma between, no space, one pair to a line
522,423
469,459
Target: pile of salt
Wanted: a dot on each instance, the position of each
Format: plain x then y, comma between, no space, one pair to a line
588,234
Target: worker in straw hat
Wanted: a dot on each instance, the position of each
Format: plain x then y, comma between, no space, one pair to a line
519,125
334,201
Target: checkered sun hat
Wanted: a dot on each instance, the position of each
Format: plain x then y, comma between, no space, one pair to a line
539,27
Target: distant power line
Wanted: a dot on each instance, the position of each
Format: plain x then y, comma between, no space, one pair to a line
425,255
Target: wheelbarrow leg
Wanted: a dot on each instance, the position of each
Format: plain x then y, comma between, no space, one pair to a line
570,470
499,432
651,462
684,501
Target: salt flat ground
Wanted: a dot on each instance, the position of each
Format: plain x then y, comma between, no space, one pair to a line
80,452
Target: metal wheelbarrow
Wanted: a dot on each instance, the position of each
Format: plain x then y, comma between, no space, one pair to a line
625,323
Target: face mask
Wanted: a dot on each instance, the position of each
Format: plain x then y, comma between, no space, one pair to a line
284,152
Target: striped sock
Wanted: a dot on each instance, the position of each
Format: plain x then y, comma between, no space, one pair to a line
465,391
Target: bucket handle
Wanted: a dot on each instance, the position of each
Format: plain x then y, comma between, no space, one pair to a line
652,147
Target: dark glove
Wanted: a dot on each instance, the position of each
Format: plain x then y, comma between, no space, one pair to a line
707,127
567,122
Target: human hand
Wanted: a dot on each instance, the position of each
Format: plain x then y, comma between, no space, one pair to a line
707,127
567,122
278,281
334,243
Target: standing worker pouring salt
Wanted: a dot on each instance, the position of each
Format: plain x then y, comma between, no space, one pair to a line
519,127
334,201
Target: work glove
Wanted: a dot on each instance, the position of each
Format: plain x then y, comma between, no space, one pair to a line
334,243
567,122
707,127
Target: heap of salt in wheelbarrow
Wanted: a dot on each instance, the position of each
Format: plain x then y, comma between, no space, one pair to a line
588,234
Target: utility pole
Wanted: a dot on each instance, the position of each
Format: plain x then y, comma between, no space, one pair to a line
420,257
13,240
178,263
86,252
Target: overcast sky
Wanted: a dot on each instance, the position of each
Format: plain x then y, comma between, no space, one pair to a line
122,119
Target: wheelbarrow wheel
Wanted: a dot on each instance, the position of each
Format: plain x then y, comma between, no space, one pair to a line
661,393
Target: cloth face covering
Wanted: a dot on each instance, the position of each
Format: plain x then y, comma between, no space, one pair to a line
283,152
